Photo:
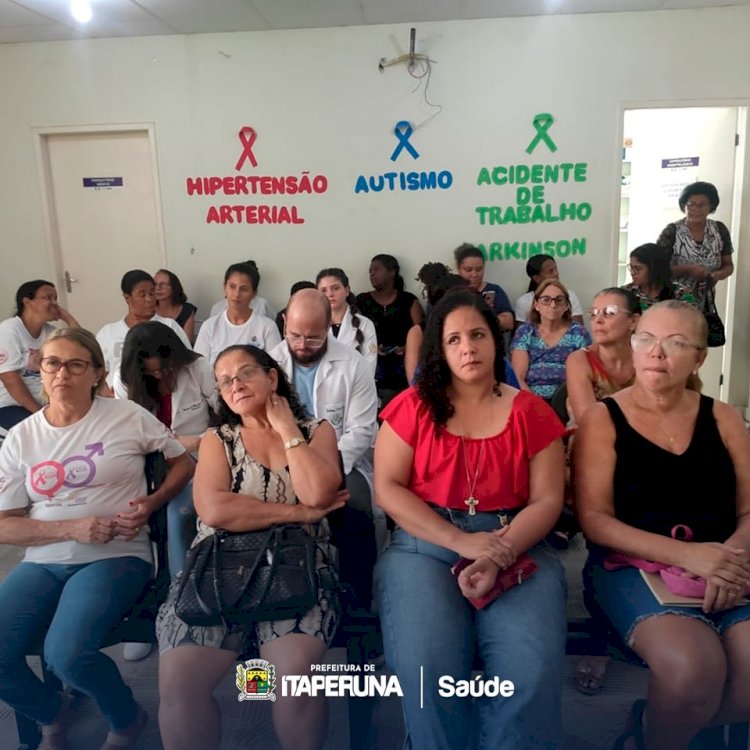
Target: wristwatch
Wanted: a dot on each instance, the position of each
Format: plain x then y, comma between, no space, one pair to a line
293,443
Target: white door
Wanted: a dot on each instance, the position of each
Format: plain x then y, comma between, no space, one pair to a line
105,217
668,149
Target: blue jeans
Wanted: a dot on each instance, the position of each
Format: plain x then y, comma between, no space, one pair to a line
77,606
427,623
181,528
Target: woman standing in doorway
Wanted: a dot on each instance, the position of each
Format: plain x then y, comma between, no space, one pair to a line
393,311
701,248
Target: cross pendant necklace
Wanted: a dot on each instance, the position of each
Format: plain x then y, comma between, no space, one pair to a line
471,501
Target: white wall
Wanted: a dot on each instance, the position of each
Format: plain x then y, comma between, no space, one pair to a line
319,103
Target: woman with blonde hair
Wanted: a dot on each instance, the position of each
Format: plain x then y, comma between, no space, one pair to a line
663,475
73,492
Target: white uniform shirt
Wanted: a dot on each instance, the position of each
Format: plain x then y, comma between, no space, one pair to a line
194,391
348,337
525,301
19,351
258,305
111,338
345,396
217,333
91,468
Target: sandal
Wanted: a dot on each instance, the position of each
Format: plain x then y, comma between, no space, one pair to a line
54,736
590,673
127,738
633,728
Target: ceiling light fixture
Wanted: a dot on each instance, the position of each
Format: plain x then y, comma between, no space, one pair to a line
81,10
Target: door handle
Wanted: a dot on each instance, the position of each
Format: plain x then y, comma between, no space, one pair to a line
69,281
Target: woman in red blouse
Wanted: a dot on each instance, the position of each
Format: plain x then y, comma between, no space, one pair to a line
470,467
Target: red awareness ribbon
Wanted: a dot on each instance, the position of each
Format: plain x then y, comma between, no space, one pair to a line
247,137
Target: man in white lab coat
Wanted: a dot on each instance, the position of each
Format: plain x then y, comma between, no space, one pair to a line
334,383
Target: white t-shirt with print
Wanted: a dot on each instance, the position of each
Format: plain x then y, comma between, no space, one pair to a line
91,468
258,304
111,338
19,351
194,391
217,333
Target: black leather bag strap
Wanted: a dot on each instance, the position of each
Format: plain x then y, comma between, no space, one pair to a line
195,567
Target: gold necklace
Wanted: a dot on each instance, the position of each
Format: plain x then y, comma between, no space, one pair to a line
471,501
670,438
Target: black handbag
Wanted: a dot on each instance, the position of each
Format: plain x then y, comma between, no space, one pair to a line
255,576
716,334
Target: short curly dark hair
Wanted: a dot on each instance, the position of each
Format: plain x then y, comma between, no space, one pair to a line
700,188
224,415
434,375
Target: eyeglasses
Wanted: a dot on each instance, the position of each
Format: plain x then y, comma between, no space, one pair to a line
693,204
608,311
244,375
313,342
558,301
672,347
633,268
162,285
46,297
51,365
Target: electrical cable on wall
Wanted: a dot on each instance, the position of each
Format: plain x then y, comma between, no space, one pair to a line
420,67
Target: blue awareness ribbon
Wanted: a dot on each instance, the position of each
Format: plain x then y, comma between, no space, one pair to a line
403,131
542,124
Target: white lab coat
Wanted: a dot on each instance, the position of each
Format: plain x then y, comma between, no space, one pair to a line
345,396
348,337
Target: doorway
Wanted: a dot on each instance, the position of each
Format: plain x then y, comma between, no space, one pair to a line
103,213
663,151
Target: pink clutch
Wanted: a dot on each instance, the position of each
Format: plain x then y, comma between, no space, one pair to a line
674,578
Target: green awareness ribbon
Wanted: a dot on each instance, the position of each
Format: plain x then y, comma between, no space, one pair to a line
542,124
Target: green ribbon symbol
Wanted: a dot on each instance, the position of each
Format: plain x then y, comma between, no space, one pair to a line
542,124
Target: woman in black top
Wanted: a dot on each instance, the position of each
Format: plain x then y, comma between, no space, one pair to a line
171,302
652,457
393,311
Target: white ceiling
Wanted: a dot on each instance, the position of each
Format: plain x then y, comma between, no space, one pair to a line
48,20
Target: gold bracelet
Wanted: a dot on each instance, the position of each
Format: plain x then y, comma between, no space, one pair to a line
293,443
